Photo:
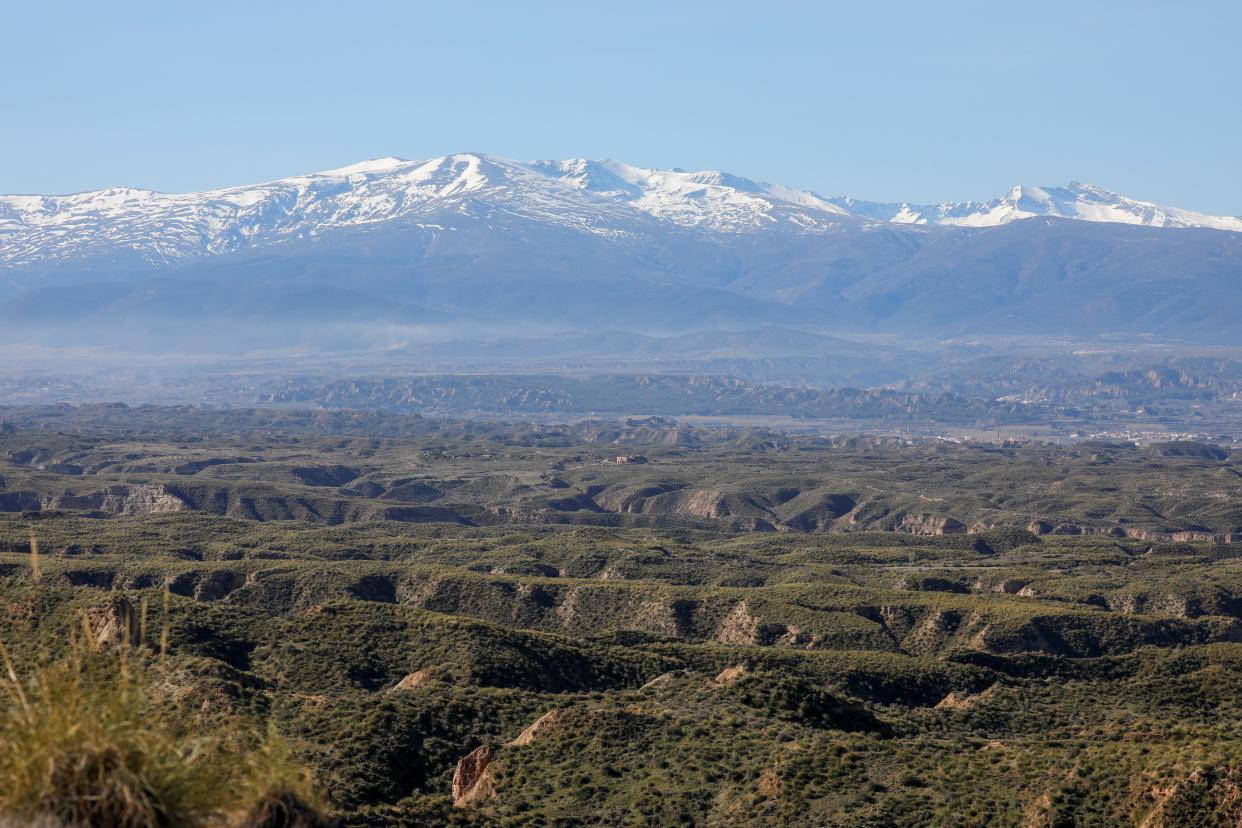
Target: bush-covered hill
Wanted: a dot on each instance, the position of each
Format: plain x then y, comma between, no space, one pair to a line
616,666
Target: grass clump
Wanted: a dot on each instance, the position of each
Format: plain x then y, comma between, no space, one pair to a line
84,742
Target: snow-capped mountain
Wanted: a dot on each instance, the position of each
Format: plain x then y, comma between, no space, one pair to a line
347,255
605,198
1073,201
608,199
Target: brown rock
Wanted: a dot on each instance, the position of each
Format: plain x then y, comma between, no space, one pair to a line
965,701
546,725
473,778
931,525
116,624
731,674
740,626
413,680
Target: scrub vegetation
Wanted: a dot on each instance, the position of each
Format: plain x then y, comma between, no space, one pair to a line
247,629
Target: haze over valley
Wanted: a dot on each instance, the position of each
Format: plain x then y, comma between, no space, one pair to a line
384,251
1047,305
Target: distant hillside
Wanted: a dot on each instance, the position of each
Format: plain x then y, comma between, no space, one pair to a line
362,256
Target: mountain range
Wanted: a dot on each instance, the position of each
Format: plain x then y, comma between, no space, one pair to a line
1075,201
368,254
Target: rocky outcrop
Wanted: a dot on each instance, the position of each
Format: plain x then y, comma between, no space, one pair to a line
474,777
962,700
1207,796
925,524
708,503
414,680
741,626
1135,603
550,723
116,624
139,499
737,511
1006,586
731,675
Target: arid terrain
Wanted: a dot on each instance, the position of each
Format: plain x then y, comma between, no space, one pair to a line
636,622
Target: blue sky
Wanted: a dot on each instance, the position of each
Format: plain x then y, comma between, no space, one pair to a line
925,101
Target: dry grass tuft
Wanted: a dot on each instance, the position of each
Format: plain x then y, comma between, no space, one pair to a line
84,743
81,742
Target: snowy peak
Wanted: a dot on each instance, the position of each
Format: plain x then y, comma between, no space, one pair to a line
375,165
604,198
124,227
707,199
1084,202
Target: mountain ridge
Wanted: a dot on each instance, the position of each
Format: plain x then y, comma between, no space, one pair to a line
482,240
602,197
1076,200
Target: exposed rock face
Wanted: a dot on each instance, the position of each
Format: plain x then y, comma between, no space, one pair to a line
152,499
140,499
729,675
473,778
1133,603
741,626
932,631
577,607
415,679
117,624
1209,796
668,499
708,503
1006,586
550,723
793,636
931,525
965,701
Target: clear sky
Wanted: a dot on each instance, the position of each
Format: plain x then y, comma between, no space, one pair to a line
925,101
